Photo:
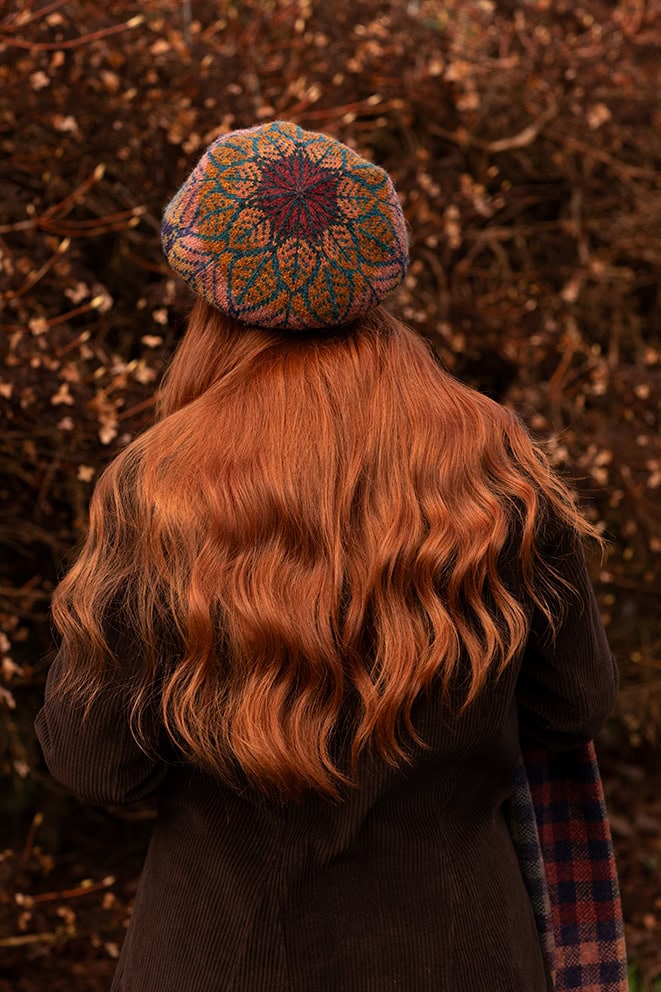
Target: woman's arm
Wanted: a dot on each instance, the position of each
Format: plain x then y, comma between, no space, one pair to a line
97,759
566,690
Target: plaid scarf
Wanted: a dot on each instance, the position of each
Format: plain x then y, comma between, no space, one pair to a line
559,824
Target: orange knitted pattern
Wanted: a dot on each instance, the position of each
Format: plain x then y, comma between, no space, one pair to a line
281,227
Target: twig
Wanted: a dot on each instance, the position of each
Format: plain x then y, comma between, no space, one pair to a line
55,46
69,231
362,106
80,339
136,409
525,137
78,193
37,820
34,431
602,156
556,380
578,232
34,278
22,593
95,221
507,233
80,890
19,225
520,140
57,209
186,16
29,938
47,9
13,17
83,308
161,269
441,281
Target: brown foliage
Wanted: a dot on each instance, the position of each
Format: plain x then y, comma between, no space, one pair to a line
524,141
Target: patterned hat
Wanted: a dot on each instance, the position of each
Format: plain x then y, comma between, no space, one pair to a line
284,228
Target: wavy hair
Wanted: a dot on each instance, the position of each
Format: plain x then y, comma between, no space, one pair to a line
310,519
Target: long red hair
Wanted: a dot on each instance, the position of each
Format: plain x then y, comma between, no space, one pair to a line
308,517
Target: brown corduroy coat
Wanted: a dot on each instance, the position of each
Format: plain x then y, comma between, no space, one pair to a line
413,884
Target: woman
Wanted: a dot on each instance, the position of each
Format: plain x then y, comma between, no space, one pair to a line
323,602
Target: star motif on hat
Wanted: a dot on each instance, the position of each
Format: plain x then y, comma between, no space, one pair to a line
299,196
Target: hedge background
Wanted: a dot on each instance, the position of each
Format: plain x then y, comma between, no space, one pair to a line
524,139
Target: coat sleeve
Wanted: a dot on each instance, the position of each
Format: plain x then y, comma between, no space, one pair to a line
96,759
567,689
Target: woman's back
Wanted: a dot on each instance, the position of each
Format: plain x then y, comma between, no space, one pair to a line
411,883
319,541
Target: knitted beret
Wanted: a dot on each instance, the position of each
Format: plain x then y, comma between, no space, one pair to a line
285,228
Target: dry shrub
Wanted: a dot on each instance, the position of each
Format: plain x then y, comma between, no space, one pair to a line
524,141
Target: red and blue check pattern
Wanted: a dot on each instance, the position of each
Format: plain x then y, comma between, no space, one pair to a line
559,825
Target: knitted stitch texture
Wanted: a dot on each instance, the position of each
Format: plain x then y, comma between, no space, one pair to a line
285,228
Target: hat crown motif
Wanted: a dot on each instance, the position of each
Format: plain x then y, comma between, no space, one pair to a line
298,195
